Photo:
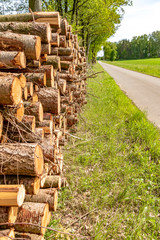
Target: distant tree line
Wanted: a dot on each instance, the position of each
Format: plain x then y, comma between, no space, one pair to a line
144,46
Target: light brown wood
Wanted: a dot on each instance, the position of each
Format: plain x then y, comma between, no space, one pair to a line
65,51
50,17
20,76
50,99
62,41
7,234
62,85
54,61
28,236
12,59
35,109
52,181
36,213
42,30
36,78
47,126
65,65
31,44
32,184
25,93
30,89
67,58
21,158
46,48
8,214
12,195
64,26
33,63
10,90
49,196
55,40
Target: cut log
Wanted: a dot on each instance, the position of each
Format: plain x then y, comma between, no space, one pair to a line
55,40
52,182
7,234
65,51
48,152
42,30
68,77
12,195
10,91
32,184
31,44
46,17
62,41
25,94
46,48
36,78
62,85
49,196
21,158
64,26
47,116
34,97
35,109
65,65
67,58
54,61
36,213
50,99
20,76
8,214
30,89
28,236
54,51
12,60
19,111
33,63
1,124
47,126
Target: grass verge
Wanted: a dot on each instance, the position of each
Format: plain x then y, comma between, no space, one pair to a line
113,170
148,66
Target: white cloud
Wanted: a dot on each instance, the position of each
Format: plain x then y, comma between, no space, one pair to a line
141,18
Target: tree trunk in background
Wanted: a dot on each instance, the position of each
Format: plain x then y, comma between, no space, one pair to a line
73,10
35,5
66,6
59,7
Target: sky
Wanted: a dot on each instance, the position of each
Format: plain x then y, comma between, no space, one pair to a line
143,17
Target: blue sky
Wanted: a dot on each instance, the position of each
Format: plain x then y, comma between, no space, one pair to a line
141,18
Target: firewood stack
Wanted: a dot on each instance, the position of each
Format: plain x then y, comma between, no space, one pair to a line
42,89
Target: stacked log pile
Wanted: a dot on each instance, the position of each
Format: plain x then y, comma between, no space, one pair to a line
42,89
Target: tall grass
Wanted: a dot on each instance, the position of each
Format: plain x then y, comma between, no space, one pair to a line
113,170
148,66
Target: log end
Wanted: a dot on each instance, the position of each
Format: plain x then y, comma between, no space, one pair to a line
38,48
36,186
39,162
20,112
40,112
1,125
45,219
12,214
16,91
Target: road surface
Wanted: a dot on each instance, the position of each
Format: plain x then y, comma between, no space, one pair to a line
142,89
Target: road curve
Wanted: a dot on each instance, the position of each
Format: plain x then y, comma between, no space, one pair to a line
143,90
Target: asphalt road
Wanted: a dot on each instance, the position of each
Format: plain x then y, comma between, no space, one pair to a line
142,89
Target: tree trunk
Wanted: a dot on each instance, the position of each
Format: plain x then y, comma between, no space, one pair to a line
52,182
65,51
49,196
46,17
1,124
54,61
12,195
35,5
55,40
8,214
36,213
42,30
64,26
50,99
31,43
46,48
67,58
10,91
36,78
32,184
21,158
65,65
12,59
66,6
63,42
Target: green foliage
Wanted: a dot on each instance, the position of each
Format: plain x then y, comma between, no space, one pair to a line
110,51
144,46
113,172
149,66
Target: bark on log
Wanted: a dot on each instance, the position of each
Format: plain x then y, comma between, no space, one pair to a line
42,30
54,51
30,89
46,17
28,236
64,26
35,109
65,51
47,116
8,214
12,195
33,63
65,65
67,58
54,61
12,59
55,40
48,152
10,91
62,85
46,48
20,158
52,182
36,78
36,213
32,184
20,76
50,99
31,44
7,234
68,77
47,126
62,41
1,124
49,196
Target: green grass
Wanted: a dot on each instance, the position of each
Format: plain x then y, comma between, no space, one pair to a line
148,66
113,171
